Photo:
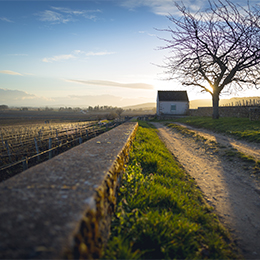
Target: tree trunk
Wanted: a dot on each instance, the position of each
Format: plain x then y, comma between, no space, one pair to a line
215,104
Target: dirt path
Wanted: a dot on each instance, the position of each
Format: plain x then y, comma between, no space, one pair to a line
228,187
252,149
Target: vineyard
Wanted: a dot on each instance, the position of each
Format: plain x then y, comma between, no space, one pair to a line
22,146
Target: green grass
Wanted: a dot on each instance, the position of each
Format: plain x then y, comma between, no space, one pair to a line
240,128
161,214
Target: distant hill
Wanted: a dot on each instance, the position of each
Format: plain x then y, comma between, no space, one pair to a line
144,106
224,102
201,103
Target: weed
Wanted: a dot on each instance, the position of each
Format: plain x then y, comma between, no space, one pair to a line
213,142
246,158
230,153
233,153
256,168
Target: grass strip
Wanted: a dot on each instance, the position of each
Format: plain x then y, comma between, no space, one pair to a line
161,213
240,128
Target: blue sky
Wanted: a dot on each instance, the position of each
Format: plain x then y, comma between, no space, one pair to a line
81,53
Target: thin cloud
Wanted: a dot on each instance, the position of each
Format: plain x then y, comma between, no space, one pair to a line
75,12
67,10
145,32
162,7
88,14
53,17
91,53
59,58
101,53
112,84
9,72
64,15
4,19
76,54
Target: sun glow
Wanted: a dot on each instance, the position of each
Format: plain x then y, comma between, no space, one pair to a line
209,87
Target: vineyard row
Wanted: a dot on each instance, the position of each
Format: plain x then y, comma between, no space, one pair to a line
16,157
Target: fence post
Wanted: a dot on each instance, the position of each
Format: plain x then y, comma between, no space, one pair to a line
40,141
2,139
57,136
36,147
8,151
50,145
25,164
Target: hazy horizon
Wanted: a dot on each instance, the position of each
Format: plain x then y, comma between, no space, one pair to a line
193,104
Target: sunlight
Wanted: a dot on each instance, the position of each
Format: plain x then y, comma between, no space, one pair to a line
209,87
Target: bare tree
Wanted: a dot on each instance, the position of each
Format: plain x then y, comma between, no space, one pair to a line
215,49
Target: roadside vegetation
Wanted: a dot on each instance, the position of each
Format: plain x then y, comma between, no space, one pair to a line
240,128
161,213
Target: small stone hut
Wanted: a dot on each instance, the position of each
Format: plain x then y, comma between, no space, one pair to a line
172,103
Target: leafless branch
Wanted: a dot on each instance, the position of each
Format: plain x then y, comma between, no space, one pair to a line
219,47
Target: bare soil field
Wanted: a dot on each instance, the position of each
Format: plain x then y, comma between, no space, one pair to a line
16,117
230,184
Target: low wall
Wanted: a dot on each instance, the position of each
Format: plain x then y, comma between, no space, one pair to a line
232,111
254,113
62,208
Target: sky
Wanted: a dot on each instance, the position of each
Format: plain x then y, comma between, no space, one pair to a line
86,53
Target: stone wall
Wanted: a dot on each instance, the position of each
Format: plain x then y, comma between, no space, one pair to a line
232,111
61,209
254,113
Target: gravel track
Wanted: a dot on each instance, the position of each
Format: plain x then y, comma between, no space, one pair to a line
227,184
